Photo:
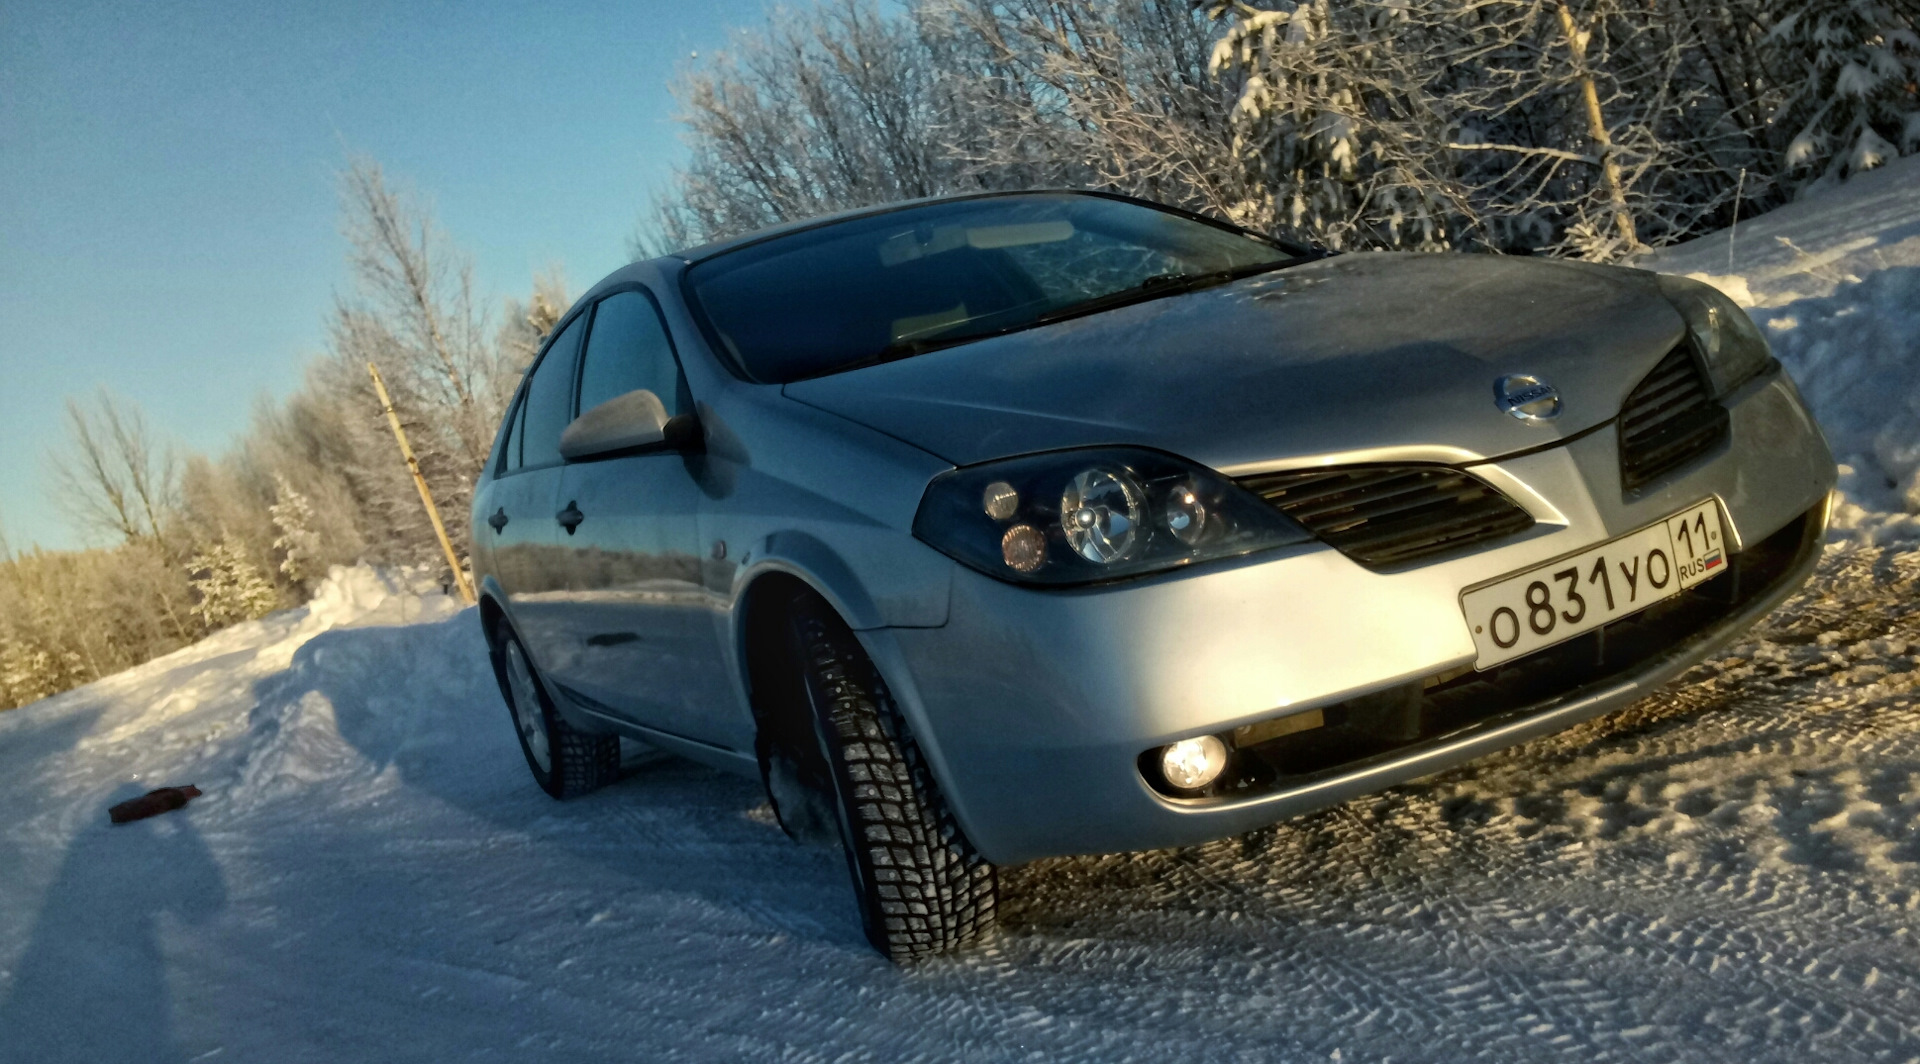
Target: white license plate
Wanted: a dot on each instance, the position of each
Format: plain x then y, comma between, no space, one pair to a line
1550,603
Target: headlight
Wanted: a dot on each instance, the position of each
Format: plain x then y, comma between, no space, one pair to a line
1728,341
1076,517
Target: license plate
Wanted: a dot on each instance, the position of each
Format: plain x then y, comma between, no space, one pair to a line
1551,603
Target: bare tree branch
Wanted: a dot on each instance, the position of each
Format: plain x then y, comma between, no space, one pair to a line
114,476
1551,153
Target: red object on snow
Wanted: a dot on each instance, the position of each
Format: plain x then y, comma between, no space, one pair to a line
152,803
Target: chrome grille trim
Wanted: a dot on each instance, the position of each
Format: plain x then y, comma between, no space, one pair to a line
1394,515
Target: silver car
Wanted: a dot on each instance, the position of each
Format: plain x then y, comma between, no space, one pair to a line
999,527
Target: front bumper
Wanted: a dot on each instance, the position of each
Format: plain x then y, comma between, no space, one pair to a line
1034,706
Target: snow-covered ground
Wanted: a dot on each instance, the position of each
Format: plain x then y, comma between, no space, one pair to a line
1728,871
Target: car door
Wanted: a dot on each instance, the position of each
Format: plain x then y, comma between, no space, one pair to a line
527,557
645,644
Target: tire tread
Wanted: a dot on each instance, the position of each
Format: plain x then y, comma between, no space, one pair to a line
925,889
582,762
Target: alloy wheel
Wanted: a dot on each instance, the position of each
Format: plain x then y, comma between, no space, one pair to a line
527,712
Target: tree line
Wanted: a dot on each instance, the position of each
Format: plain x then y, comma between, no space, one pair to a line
197,543
1590,128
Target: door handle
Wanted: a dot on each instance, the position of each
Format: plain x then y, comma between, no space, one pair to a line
570,517
498,520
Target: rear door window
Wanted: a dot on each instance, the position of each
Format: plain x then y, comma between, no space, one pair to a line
629,349
548,405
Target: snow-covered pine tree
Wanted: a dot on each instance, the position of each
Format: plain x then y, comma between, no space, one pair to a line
1334,125
297,543
1852,69
30,672
230,588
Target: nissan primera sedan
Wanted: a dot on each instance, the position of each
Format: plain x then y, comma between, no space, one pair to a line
1000,527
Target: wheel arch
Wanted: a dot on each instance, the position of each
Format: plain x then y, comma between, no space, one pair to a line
769,675
491,611
766,664
784,565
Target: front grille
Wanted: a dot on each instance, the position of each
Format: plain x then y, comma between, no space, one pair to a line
1669,420
1383,516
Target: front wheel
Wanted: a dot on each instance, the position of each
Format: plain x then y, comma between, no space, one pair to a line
922,887
565,761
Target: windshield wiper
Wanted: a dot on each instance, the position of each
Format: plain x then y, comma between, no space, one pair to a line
1189,282
1160,284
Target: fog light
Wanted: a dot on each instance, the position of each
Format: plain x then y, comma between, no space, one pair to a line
1191,764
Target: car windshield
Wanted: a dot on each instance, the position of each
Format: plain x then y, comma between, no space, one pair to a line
886,286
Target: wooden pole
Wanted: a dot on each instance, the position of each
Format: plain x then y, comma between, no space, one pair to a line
1597,129
426,497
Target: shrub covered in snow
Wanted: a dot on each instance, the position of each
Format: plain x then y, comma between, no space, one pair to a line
228,586
1849,69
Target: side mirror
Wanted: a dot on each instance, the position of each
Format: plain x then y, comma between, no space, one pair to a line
622,423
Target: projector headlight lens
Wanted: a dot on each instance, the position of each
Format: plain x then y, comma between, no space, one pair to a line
1077,517
1187,516
1100,513
1191,764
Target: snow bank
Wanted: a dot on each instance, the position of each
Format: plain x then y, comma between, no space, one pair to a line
360,595
1835,282
337,711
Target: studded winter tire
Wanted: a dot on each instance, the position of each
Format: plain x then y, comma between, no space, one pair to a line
565,761
922,887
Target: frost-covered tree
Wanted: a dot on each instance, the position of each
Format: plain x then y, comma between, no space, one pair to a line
68,617
314,480
228,587
526,326
1107,94
297,544
820,109
30,671
413,299
1336,125
414,313
1852,71
1582,127
847,104
115,475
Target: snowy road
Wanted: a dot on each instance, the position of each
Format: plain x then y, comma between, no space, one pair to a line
1729,871
1726,872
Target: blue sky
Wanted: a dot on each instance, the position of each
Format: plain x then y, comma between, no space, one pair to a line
167,201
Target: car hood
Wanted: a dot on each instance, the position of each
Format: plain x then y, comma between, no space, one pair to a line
1357,357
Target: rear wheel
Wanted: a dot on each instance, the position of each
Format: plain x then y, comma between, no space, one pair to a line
565,761
922,887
